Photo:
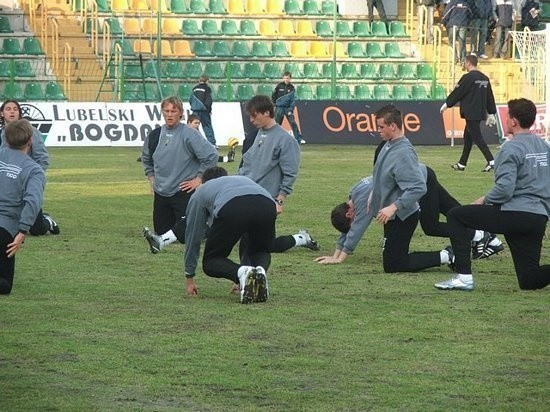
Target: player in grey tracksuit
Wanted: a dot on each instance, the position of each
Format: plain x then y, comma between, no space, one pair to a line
231,206
22,181
518,205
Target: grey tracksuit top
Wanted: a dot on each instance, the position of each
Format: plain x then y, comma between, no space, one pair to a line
273,161
397,178
359,194
522,176
205,205
181,154
22,182
38,151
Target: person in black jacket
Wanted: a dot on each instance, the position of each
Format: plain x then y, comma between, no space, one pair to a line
201,105
475,95
284,99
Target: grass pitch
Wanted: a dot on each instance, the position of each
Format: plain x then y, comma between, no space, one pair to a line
96,322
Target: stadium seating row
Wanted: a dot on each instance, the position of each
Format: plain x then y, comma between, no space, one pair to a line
32,91
234,7
12,45
148,91
272,71
16,68
247,27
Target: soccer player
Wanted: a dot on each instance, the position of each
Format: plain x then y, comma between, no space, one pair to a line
22,181
235,206
518,205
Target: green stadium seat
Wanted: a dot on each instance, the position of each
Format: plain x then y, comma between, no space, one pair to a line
323,29
33,92
400,92
6,69
233,70
209,27
343,92
327,69
424,71
103,6
248,28
405,71
342,29
225,93
323,92
5,26
418,92
310,8
374,51
391,50
190,27
349,71
293,68
240,49
361,29
378,29
305,92
184,91
179,7
13,91
151,93
173,70
264,89
439,92
32,46
328,7
166,90
11,45
133,71
114,26
368,71
252,70
193,70
198,7
380,92
217,7
279,49
201,49
23,68
259,49
213,70
397,29
126,46
355,49
310,70
152,71
230,28
386,71
245,92
272,70
292,7
361,92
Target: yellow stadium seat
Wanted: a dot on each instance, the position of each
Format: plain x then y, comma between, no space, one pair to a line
318,49
165,48
299,49
119,5
275,7
149,26
139,6
304,28
255,7
182,48
170,26
286,28
154,6
235,7
340,51
131,26
267,28
142,46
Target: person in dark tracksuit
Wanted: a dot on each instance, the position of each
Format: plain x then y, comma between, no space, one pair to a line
518,205
284,99
379,5
22,181
201,105
476,98
456,19
503,13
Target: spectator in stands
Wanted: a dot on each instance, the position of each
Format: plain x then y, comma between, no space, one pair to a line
201,105
427,7
379,5
530,10
284,99
503,12
481,11
456,19
10,111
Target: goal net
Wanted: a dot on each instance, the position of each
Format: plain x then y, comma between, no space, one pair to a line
533,49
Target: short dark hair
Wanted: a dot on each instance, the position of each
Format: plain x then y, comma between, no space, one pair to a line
213,173
192,117
524,111
287,73
338,217
390,115
204,78
472,59
18,133
260,104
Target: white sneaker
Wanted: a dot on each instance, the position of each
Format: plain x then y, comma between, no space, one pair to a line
261,288
455,283
247,282
311,243
484,56
302,141
155,241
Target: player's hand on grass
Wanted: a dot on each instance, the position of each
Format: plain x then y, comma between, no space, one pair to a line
191,287
327,260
